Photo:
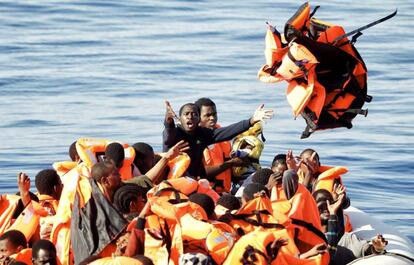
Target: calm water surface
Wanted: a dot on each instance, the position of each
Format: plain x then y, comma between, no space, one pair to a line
103,69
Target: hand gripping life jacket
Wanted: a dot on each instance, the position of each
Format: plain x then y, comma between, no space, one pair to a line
327,79
91,150
250,139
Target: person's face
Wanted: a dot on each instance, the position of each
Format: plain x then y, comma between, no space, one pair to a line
279,168
208,116
45,257
7,249
189,118
113,180
315,161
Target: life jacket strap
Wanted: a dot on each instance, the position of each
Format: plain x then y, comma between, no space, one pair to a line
310,227
249,257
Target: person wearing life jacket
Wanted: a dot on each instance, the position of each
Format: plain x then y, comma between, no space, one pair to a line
261,176
44,252
225,204
152,168
122,157
200,138
64,167
216,157
11,243
130,199
302,210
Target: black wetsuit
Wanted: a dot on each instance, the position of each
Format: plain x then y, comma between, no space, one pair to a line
199,140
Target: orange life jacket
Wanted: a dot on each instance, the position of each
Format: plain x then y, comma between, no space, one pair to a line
254,248
89,151
64,167
8,204
328,176
178,165
28,221
116,261
24,255
257,213
327,86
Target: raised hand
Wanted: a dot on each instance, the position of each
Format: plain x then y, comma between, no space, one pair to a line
261,114
177,149
338,190
379,243
311,164
169,113
291,162
23,181
333,208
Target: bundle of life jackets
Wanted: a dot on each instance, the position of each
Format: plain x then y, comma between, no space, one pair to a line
327,77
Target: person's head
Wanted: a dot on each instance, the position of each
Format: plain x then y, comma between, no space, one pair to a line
73,154
229,201
205,201
43,253
290,181
130,198
321,196
251,190
307,154
279,163
189,117
106,174
208,112
48,182
144,157
115,152
262,176
12,242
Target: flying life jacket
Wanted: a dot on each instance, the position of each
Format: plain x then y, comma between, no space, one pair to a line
178,165
64,167
214,155
8,205
327,77
91,151
249,140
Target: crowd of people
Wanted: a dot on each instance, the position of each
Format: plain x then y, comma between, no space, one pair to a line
205,199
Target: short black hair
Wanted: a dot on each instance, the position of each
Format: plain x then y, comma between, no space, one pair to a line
142,150
15,237
191,105
46,181
322,195
204,102
115,152
102,170
205,201
279,159
127,193
229,201
262,176
253,188
73,153
43,244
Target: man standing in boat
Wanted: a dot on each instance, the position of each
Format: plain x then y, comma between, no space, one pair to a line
198,137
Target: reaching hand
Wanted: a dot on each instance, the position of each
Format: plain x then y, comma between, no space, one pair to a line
333,208
338,190
379,243
261,114
177,149
169,113
291,162
311,164
23,182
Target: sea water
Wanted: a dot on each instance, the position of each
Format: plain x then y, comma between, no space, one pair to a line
103,69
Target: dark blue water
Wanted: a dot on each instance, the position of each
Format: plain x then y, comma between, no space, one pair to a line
103,69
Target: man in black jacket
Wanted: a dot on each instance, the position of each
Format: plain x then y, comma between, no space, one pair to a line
198,138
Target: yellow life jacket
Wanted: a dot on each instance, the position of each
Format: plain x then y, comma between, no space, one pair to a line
328,176
64,167
89,151
249,138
